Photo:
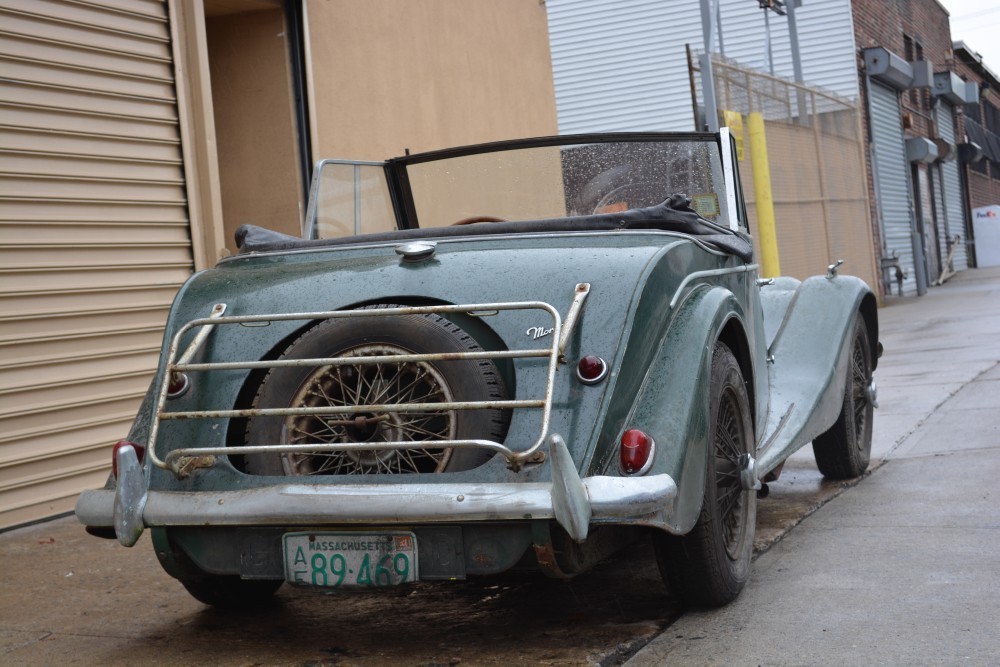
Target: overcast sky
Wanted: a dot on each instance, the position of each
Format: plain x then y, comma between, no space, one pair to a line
977,23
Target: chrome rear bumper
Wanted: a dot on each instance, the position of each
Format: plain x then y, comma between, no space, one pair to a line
573,502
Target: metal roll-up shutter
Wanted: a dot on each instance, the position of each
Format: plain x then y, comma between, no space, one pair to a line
954,213
94,236
892,179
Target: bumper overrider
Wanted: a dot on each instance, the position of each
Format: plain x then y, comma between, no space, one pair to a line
573,502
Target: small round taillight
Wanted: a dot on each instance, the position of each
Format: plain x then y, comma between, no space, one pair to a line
178,385
636,452
140,451
591,369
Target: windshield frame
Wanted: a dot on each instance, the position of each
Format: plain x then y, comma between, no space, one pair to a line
401,194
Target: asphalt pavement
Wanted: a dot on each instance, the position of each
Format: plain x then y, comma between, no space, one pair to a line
899,568
902,568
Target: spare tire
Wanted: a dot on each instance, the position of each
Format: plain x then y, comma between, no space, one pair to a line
378,384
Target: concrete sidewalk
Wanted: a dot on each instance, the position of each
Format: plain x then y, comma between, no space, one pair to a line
902,569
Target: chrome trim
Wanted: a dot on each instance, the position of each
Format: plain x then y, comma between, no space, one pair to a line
570,503
871,394
579,297
831,271
416,251
184,383
610,499
729,177
177,460
604,373
459,239
745,268
309,224
573,502
131,495
749,477
218,310
645,467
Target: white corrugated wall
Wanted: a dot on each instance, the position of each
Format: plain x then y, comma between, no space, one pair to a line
620,65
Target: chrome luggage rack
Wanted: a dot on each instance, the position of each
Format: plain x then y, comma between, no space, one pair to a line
183,461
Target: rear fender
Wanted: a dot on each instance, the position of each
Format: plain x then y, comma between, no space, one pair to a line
810,349
672,404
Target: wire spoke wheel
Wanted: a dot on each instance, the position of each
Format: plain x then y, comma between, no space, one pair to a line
860,379
404,383
844,450
729,446
709,566
350,436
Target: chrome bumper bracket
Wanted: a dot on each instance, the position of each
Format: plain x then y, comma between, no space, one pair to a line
130,497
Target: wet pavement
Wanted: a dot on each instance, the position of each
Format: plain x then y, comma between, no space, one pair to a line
900,570
69,598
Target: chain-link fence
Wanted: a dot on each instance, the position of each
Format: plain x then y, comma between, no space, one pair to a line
815,150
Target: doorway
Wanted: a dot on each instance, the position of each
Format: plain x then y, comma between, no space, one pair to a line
257,108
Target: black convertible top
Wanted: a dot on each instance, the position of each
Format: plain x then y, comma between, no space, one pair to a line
674,215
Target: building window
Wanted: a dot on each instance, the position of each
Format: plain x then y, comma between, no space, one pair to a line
991,117
982,126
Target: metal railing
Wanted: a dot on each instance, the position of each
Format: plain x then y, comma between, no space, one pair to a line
182,460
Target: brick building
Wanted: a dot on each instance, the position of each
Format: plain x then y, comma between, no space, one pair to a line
914,101
981,125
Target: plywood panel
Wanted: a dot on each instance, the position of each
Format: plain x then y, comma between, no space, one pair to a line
473,71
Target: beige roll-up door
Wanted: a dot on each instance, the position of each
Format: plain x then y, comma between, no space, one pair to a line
94,236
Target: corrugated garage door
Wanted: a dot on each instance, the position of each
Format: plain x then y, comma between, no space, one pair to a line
952,187
94,236
892,179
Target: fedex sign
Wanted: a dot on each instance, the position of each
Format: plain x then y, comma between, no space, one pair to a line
986,227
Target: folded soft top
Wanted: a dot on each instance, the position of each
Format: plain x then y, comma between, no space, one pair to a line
674,215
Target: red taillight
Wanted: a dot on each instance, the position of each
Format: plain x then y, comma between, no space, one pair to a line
636,451
591,369
177,385
140,451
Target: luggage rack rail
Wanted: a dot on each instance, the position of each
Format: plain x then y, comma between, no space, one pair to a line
182,461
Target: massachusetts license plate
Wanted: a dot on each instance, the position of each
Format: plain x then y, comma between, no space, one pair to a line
350,560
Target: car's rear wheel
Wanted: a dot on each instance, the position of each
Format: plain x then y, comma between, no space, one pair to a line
378,383
844,451
709,566
230,591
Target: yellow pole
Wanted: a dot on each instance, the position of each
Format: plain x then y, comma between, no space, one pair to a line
766,234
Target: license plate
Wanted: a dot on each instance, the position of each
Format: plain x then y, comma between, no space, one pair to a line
350,560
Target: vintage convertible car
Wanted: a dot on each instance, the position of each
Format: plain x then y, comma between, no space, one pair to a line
523,354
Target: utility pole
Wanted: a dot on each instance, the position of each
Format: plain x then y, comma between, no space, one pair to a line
787,8
709,16
793,36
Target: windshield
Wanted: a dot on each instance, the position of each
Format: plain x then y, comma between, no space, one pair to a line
523,182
